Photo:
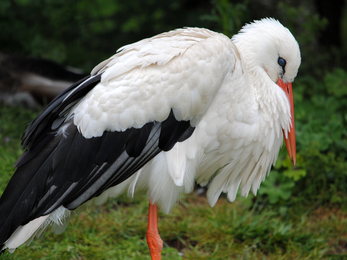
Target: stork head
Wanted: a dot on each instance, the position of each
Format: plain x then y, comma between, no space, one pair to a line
272,54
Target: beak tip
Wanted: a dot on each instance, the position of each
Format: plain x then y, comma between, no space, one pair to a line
293,160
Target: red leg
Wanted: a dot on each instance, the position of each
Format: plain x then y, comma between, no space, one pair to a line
155,244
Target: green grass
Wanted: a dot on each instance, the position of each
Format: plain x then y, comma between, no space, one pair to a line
246,229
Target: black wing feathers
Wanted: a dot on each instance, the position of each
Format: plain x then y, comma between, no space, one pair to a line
134,149
171,129
62,168
49,119
54,108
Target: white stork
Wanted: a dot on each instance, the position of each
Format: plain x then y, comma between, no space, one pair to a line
183,106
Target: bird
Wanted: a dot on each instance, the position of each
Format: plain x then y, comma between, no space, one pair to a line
189,105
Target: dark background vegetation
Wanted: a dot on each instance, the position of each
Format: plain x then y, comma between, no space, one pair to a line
83,33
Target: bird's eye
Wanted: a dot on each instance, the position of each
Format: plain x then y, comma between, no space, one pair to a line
282,62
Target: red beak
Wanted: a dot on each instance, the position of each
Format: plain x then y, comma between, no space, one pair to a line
290,140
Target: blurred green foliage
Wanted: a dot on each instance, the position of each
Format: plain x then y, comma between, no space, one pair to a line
83,33
229,16
322,137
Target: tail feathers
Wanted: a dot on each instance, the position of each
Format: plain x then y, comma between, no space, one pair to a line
58,219
23,233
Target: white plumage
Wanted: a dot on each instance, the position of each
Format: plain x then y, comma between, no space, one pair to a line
133,91
225,88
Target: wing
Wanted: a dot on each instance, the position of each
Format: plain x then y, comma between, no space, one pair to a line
106,127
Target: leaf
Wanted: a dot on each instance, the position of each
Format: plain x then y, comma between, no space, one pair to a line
336,82
277,187
295,174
